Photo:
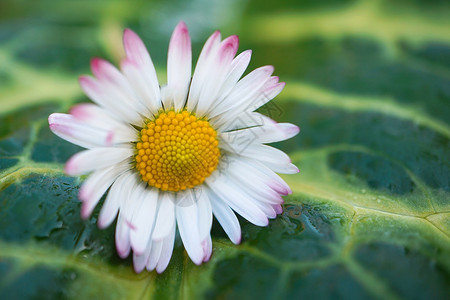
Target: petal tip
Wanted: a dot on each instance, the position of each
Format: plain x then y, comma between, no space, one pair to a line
85,213
238,239
181,26
233,39
95,62
207,257
127,32
269,69
138,269
101,224
69,167
51,119
83,80
181,35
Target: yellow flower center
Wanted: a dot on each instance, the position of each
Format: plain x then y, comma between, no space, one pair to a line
176,151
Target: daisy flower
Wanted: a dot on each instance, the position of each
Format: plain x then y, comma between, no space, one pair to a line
173,156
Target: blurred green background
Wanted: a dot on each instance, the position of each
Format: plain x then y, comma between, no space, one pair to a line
368,82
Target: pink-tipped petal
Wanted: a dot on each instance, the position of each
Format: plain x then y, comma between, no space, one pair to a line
113,201
269,132
98,158
207,248
275,159
96,185
278,208
187,217
238,66
209,46
290,130
142,82
232,195
144,218
104,70
244,91
269,91
166,251
67,127
140,71
139,262
268,209
179,64
255,183
135,48
112,99
122,238
165,217
258,172
201,69
217,72
226,217
204,213
155,254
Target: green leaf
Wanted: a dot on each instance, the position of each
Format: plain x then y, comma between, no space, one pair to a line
367,82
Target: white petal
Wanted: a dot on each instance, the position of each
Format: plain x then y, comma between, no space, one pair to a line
238,67
132,198
263,153
144,219
233,195
115,82
226,217
187,218
116,103
98,117
113,200
242,115
96,185
257,171
122,237
165,217
268,92
242,120
130,205
149,98
268,209
253,191
270,132
166,250
204,213
155,254
139,262
140,71
244,91
201,69
260,186
282,168
179,64
207,248
217,72
98,158
67,127
278,208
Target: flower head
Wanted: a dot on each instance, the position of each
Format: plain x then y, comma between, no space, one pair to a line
173,156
